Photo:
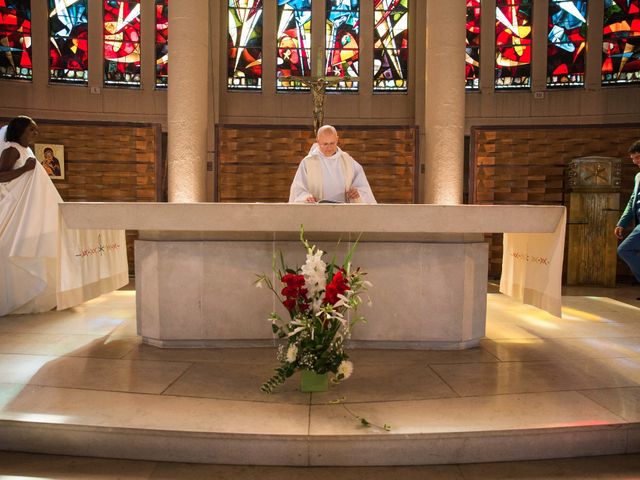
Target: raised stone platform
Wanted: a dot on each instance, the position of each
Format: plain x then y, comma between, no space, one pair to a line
79,382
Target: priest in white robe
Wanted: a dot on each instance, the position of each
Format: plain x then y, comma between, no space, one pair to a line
328,174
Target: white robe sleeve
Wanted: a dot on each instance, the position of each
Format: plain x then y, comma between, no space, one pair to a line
361,183
299,191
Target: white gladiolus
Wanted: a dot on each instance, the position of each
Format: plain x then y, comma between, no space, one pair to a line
314,273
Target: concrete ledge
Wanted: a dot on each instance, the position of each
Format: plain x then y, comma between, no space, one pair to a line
254,220
295,450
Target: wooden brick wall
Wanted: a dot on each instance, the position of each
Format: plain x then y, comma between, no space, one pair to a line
257,164
526,165
106,162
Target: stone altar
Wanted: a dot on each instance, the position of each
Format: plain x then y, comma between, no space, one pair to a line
196,263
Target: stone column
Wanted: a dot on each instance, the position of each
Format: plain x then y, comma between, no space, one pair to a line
593,56
187,100
444,98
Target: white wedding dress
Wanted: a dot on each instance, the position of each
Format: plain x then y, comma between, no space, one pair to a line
28,238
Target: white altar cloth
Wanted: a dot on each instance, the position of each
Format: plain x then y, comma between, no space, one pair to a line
532,268
44,264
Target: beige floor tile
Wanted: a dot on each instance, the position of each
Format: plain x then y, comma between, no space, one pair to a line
520,377
361,356
589,468
525,349
30,466
77,320
521,325
237,382
595,347
558,349
624,402
72,345
90,373
626,368
382,383
240,356
22,368
496,329
158,412
497,412
601,305
582,314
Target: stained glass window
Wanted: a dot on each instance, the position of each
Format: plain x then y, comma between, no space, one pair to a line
342,42
162,45
68,41
15,39
567,42
621,42
391,45
513,44
122,43
293,57
245,44
472,60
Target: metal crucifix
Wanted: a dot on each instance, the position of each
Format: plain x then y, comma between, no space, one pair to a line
318,87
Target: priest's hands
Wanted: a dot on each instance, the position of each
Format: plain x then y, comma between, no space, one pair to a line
311,199
352,194
618,232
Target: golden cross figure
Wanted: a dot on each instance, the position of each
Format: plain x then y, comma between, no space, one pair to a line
318,87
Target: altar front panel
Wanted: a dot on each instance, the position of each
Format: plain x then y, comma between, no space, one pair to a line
202,293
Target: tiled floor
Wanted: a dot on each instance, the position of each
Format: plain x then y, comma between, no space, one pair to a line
86,366
29,466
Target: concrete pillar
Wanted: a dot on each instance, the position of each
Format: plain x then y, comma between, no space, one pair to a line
593,58
444,98
187,100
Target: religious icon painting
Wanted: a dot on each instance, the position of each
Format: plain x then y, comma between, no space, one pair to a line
51,157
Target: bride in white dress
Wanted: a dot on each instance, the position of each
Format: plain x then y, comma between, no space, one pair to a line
28,224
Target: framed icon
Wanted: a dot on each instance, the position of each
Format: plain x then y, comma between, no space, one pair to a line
51,156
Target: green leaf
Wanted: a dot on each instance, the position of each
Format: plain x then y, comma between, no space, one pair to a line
347,259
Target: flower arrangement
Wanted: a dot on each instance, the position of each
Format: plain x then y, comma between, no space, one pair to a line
320,299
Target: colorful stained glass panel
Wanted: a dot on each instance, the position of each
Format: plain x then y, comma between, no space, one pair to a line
15,39
513,44
390,45
293,57
68,42
342,42
244,68
621,42
472,58
122,43
162,43
567,42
